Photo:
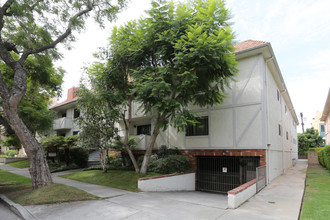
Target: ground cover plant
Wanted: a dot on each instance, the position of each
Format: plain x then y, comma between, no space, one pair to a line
20,164
316,202
120,179
19,189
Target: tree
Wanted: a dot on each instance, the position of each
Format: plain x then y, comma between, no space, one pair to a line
309,139
28,28
187,59
97,123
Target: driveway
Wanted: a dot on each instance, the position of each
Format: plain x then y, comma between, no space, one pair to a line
280,200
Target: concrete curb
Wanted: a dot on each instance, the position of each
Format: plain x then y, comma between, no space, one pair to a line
19,210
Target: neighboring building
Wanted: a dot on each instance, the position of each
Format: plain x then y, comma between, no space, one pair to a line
255,126
319,126
66,113
326,119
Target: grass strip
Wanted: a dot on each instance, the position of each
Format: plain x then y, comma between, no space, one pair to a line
316,202
54,193
121,179
19,189
20,164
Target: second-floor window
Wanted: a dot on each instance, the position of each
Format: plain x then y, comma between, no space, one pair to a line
199,129
76,113
322,128
143,129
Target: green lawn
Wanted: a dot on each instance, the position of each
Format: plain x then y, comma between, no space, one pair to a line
316,203
19,189
20,164
120,179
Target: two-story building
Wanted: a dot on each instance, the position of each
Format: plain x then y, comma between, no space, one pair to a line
318,125
326,119
66,112
255,126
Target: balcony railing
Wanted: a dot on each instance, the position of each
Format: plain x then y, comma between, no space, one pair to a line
62,123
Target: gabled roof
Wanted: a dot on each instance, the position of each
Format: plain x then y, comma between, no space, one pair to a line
248,44
64,103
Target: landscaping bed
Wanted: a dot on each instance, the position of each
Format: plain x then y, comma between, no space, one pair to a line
19,189
121,179
316,201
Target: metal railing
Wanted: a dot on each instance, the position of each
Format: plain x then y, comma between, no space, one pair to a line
261,177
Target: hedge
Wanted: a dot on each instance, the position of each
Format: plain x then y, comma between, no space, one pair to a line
324,157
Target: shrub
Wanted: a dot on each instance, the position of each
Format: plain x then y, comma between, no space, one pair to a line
11,153
115,160
79,156
324,157
164,151
170,164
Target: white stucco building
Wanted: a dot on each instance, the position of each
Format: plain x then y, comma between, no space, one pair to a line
255,126
326,119
66,112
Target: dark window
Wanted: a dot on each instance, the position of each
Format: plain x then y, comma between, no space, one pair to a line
322,128
63,114
201,128
143,129
280,130
287,135
76,113
278,96
75,133
61,134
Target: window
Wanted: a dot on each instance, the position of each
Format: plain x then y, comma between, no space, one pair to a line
287,135
279,130
63,114
322,128
76,113
75,133
201,128
286,109
143,129
278,96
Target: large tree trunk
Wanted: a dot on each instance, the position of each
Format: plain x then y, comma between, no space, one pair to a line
11,97
148,152
127,125
39,169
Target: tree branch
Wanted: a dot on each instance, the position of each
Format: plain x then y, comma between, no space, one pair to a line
59,39
3,11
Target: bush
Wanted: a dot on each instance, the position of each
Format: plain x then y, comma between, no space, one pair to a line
164,151
324,157
11,153
79,156
169,164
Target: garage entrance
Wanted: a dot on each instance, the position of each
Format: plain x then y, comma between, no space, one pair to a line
221,174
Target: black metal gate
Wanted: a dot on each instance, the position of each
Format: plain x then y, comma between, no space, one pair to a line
221,174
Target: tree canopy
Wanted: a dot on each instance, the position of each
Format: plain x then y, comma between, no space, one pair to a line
180,55
32,27
309,139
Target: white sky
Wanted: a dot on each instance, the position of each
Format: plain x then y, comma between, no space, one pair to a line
298,31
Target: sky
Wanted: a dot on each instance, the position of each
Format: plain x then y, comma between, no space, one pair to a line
298,30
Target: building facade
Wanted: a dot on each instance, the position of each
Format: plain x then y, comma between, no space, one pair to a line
326,119
66,112
318,125
255,126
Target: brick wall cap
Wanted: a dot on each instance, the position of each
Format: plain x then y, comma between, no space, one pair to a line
163,176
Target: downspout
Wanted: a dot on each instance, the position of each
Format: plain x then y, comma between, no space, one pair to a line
268,141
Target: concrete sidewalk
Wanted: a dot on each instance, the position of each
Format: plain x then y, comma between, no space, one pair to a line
279,200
